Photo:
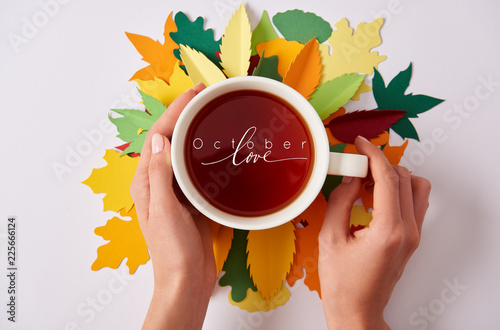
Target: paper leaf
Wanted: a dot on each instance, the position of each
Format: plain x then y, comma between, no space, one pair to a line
307,245
125,241
394,153
302,27
124,146
393,97
160,57
135,147
366,196
359,217
199,67
333,94
368,124
263,32
254,302
193,35
268,67
285,50
236,43
222,237
332,181
270,256
114,180
237,274
254,61
163,92
304,72
351,52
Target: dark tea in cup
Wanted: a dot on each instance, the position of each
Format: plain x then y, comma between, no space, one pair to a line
249,153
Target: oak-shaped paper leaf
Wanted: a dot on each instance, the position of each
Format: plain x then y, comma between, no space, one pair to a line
125,241
193,34
114,181
393,97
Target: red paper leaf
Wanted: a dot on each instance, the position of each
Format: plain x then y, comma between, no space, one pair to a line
368,124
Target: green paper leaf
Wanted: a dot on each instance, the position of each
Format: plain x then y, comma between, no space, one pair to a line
193,35
393,97
263,32
268,67
237,274
335,93
332,181
153,106
302,27
136,145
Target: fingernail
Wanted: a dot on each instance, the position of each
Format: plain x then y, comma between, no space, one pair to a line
363,139
157,143
346,179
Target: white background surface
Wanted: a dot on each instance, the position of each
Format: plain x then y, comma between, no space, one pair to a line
77,65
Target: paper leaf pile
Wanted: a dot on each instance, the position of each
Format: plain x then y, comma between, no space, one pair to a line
328,66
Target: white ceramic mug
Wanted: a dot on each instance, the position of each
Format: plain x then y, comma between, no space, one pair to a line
325,162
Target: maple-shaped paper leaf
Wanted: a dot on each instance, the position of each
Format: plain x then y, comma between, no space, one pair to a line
235,48
305,71
222,237
268,67
335,93
285,50
302,27
163,92
307,245
368,124
393,97
263,32
114,180
134,124
237,274
270,256
159,56
193,35
125,241
254,302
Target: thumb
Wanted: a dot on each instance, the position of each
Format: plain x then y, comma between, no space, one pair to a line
161,174
338,213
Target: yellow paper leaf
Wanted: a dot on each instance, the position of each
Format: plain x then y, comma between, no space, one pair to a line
114,180
235,48
160,90
254,302
199,67
222,237
285,50
360,217
363,88
125,241
270,256
350,52
304,72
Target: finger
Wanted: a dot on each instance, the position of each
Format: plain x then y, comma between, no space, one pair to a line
139,188
421,189
386,206
338,212
160,173
406,197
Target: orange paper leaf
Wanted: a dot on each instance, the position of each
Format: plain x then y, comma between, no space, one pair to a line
270,256
125,241
394,154
304,72
222,237
160,56
285,50
307,244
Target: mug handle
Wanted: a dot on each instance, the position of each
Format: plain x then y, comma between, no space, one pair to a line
348,165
